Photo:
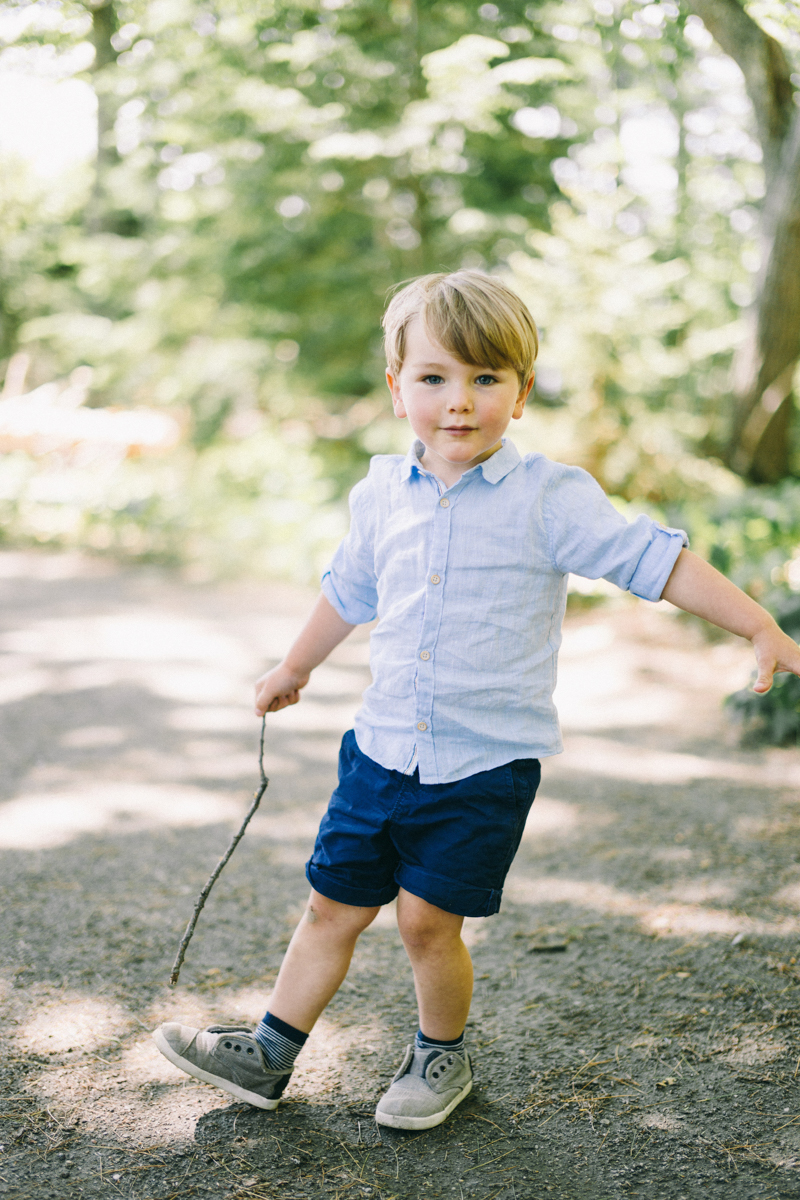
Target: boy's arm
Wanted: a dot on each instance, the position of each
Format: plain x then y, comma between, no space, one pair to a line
281,686
696,587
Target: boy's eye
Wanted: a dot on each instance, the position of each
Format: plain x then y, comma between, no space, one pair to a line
486,379
432,379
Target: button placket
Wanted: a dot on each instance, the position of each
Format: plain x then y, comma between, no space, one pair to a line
429,631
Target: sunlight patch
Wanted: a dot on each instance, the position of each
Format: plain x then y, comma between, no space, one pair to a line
658,1120
20,685
193,685
88,737
215,719
79,1023
312,716
556,818
788,896
318,750
143,637
47,819
667,920
290,826
334,1058
703,891
621,760
752,1047
106,1100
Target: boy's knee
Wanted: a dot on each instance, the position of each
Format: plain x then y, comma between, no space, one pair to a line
422,926
344,918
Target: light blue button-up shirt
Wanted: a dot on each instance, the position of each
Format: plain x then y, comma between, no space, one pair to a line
469,585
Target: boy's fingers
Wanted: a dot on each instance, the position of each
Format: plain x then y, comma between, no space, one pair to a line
289,698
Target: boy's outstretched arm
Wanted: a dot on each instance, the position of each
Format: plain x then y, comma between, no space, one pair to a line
696,587
281,686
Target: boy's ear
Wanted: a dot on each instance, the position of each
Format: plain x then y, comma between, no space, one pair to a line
522,397
397,399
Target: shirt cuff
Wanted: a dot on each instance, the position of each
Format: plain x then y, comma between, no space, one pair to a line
350,609
655,566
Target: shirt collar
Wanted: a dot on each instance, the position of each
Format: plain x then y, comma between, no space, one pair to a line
494,468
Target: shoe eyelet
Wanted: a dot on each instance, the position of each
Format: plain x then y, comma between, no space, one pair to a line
228,1045
250,1050
238,1049
450,1061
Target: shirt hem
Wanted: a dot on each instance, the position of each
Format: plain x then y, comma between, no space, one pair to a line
490,763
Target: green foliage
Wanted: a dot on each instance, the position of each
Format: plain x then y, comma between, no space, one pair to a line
753,538
268,170
259,505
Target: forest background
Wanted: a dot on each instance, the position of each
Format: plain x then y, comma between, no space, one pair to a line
190,312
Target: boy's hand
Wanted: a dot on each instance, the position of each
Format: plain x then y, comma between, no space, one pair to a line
696,587
279,688
775,651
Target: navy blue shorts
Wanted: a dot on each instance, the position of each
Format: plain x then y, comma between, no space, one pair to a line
449,843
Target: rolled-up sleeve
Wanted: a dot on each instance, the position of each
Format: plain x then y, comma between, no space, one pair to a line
349,583
589,537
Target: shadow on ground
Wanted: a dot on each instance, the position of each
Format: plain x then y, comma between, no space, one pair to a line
635,1025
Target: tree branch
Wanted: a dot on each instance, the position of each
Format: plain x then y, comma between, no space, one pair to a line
765,68
762,404
775,343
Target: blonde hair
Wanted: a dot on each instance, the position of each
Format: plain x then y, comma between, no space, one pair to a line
473,316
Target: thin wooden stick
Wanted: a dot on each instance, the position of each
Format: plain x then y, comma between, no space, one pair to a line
215,874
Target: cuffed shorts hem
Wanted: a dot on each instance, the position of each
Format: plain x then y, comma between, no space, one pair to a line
452,895
328,885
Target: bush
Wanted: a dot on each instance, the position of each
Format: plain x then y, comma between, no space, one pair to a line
754,539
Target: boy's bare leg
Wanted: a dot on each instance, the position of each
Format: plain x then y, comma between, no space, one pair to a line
441,964
317,959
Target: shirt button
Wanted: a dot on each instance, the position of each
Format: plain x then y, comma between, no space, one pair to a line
421,726
435,579
444,502
425,654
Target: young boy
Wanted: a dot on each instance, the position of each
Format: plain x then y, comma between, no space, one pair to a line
462,550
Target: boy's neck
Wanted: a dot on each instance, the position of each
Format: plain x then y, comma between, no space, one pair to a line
449,472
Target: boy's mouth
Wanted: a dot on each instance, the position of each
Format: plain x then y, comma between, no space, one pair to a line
459,428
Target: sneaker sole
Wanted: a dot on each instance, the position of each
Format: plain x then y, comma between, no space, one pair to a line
190,1068
404,1122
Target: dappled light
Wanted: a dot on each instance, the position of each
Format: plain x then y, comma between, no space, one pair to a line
651,857
187,383
34,821
668,920
203,211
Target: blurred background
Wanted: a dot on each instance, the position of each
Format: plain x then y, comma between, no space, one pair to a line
202,206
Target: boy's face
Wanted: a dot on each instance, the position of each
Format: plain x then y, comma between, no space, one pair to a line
457,410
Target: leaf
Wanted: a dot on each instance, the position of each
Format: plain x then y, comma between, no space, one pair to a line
530,70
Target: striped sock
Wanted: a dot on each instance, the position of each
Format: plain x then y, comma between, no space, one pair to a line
280,1042
421,1042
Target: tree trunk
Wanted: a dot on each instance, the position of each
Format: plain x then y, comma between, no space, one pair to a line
762,409
104,26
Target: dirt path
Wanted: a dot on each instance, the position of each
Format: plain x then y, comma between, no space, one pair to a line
657,1055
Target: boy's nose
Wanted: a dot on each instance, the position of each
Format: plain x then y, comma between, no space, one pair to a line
459,400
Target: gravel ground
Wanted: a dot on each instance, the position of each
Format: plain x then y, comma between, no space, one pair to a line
635,1024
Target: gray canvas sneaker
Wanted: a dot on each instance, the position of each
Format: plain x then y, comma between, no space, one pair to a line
228,1056
426,1089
